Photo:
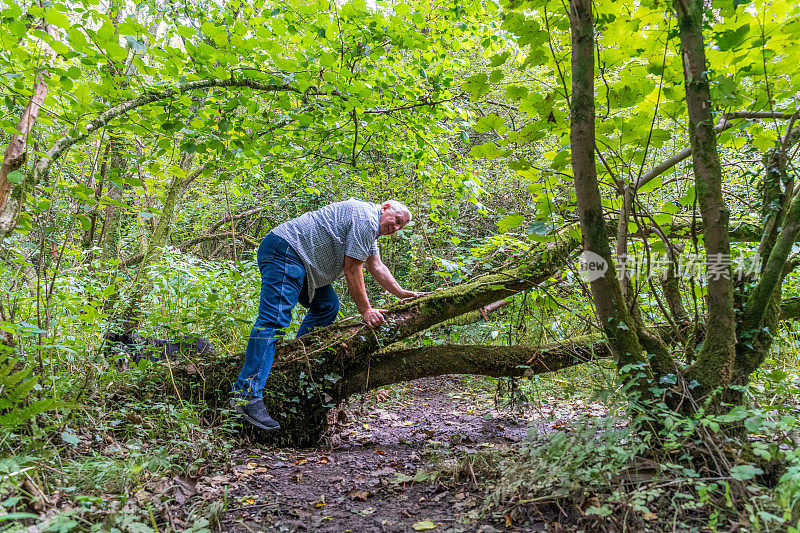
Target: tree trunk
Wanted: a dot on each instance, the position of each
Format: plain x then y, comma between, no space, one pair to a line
714,366
612,311
302,389
132,314
12,194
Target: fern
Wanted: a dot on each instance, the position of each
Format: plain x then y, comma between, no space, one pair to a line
17,407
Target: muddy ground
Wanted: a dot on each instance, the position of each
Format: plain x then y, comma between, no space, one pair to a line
373,471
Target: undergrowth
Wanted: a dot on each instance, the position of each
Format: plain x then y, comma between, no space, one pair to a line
117,462
85,446
615,473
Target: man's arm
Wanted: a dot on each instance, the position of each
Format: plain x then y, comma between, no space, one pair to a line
354,275
385,279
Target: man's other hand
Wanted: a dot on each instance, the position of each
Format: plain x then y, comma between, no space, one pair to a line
373,317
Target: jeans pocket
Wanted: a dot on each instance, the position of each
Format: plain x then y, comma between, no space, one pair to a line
295,269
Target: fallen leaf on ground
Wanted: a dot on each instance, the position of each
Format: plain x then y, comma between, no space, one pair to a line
183,489
424,525
359,495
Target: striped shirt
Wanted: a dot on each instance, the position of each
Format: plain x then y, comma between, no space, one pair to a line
322,239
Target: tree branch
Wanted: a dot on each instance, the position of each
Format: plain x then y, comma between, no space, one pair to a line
498,361
722,125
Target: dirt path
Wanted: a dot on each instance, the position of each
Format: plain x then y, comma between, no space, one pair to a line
370,476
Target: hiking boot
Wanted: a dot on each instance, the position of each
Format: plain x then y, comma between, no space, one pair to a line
255,412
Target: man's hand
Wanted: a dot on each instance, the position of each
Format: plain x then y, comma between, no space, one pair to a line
373,317
410,295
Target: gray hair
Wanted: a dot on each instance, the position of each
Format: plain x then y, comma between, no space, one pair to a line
399,207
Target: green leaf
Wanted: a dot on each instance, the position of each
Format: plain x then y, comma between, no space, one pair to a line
490,122
537,227
499,59
745,472
86,223
70,438
209,29
516,92
730,39
753,423
17,516
15,177
135,44
57,18
488,150
510,222
424,525
670,208
221,39
688,198
186,31
477,85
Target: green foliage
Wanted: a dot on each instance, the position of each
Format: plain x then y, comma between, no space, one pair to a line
19,392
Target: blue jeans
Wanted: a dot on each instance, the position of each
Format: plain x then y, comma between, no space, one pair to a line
283,285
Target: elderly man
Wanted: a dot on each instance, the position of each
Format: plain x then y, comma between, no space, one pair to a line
298,261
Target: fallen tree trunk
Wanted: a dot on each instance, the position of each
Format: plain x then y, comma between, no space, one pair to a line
301,398
392,366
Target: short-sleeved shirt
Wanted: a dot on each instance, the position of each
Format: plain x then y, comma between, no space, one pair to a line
322,239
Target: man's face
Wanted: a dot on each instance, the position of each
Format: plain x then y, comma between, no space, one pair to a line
391,221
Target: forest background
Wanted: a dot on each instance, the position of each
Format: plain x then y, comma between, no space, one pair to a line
149,147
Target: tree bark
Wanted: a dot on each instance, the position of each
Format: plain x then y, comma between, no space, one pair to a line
714,366
612,311
12,195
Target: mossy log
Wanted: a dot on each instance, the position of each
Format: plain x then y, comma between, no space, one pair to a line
301,394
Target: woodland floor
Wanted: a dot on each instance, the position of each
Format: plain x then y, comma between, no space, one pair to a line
372,474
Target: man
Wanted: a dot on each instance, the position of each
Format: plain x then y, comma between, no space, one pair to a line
298,261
